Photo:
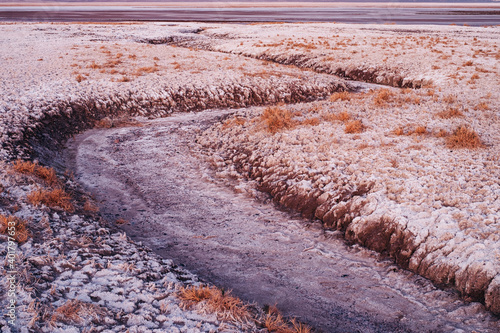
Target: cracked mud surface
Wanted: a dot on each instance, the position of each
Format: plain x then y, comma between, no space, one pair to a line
151,177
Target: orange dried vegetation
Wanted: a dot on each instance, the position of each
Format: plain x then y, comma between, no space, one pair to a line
90,207
20,231
274,322
342,116
384,96
354,126
277,118
226,306
464,137
34,169
52,198
420,130
450,113
236,121
343,96
311,121
483,106
74,311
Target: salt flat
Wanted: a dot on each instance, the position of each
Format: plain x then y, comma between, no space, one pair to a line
399,182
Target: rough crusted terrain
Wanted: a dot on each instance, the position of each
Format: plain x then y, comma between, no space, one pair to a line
152,176
395,186
433,208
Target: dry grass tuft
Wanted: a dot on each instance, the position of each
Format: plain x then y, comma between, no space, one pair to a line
19,232
354,126
105,122
483,106
343,96
150,69
399,131
442,133
80,78
30,168
343,116
463,137
236,121
90,207
275,323
56,198
121,221
311,121
450,113
277,118
123,79
24,167
383,97
75,311
420,130
214,300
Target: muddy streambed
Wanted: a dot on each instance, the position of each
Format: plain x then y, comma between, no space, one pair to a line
150,175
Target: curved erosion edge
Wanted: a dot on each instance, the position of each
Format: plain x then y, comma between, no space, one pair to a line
345,211
320,64
52,124
351,209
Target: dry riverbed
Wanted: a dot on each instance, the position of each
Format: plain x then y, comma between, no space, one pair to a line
384,168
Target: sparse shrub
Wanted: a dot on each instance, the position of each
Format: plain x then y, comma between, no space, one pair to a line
342,116
47,174
383,97
21,232
450,99
343,96
93,65
483,106
450,113
80,78
75,311
24,167
399,131
468,63
149,69
30,168
354,126
112,63
420,130
51,198
226,306
236,121
124,79
277,118
105,122
90,207
442,133
311,121
413,99
274,322
121,221
463,137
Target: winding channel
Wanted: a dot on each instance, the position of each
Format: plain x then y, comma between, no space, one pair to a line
151,176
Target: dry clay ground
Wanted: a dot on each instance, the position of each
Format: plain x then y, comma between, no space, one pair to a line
383,167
